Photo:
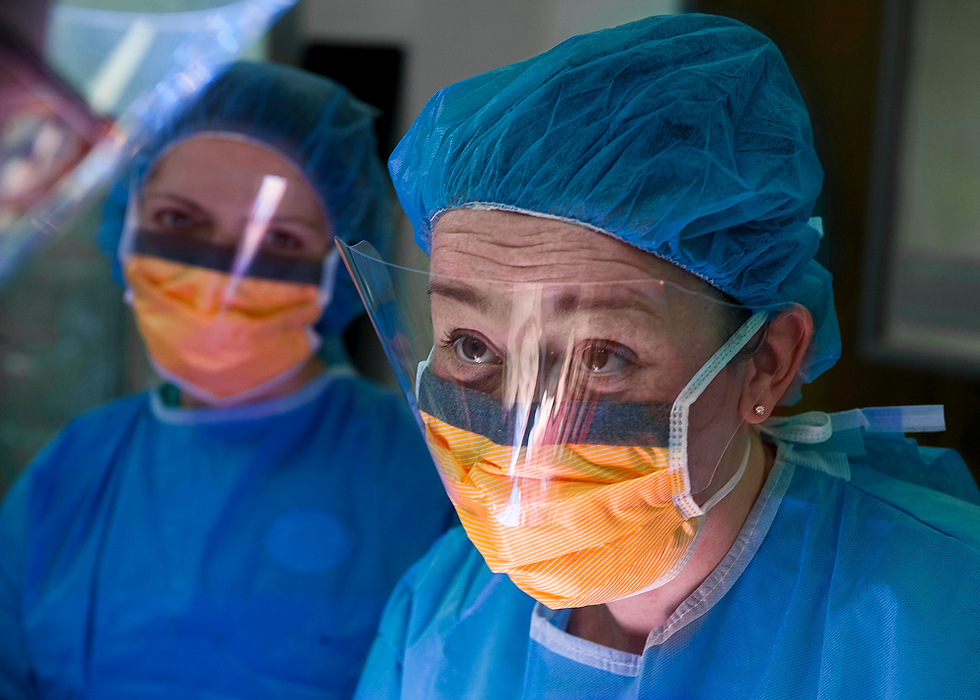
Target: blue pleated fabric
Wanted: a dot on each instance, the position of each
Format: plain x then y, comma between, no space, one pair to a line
153,552
682,135
845,582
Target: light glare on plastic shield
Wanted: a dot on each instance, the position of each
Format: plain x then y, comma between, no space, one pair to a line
532,396
130,72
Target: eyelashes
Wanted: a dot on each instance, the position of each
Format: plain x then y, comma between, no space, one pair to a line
593,357
177,221
471,348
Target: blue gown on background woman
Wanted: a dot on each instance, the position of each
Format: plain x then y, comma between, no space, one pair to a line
235,552
155,550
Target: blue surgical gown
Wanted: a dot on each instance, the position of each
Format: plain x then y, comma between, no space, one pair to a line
844,582
155,552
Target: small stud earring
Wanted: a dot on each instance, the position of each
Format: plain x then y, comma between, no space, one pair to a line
760,410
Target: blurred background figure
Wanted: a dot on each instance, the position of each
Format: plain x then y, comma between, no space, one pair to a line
83,87
236,531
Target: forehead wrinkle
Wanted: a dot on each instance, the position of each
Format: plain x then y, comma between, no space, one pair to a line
513,246
538,258
461,293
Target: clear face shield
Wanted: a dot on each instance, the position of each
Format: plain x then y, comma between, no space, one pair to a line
582,430
228,262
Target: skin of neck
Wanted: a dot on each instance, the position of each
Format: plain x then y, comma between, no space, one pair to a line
626,624
310,370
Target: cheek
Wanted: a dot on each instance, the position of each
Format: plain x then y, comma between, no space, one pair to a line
667,362
713,421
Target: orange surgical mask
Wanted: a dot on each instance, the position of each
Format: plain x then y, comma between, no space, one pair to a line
221,347
582,524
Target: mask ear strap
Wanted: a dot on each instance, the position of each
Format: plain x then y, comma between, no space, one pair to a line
679,411
727,488
421,369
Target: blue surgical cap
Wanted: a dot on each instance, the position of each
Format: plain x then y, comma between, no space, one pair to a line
683,135
311,120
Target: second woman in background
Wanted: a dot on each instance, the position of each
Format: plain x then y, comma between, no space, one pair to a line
236,532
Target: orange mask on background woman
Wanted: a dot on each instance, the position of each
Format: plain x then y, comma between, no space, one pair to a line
217,348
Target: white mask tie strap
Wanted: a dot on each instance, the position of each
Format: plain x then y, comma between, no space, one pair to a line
678,468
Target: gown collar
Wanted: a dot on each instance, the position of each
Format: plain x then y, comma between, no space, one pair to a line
548,627
279,405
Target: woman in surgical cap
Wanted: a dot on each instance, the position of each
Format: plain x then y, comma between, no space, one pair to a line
621,290
235,532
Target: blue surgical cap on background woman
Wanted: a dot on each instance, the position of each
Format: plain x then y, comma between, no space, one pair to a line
698,150
315,123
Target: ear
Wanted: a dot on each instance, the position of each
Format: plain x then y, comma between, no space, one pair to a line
771,370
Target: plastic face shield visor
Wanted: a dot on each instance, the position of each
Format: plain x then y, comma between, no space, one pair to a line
208,203
228,263
534,393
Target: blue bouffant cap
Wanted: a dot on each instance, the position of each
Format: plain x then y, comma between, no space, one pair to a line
314,122
682,135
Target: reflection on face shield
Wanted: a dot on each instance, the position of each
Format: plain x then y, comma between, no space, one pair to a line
227,280
45,130
567,421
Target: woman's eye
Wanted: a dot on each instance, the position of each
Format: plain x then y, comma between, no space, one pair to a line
474,350
604,358
283,241
174,220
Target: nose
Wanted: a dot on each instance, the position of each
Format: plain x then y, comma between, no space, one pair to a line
205,293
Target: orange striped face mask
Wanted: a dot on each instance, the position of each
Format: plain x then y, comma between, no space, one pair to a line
576,517
593,503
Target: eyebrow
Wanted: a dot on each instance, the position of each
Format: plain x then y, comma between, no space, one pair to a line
565,303
190,204
458,292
